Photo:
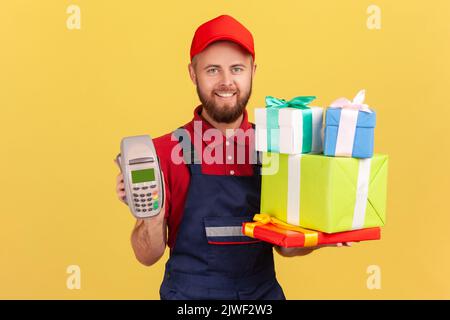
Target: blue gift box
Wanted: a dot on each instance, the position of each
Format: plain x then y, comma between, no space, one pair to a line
364,134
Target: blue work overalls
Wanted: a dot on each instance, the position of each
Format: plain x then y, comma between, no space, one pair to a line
211,258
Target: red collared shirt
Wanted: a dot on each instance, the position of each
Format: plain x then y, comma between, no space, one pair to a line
227,156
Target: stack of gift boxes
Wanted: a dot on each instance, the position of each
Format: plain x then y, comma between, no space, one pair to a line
318,186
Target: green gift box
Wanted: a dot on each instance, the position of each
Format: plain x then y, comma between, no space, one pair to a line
328,194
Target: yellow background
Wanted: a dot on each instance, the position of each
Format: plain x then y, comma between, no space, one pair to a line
67,97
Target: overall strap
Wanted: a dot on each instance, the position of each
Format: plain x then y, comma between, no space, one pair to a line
257,166
191,158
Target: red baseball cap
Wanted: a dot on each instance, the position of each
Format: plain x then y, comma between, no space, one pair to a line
223,27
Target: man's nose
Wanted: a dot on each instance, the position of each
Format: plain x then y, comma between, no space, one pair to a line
227,78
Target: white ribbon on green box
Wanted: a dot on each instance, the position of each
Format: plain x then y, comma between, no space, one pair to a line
362,192
328,194
293,199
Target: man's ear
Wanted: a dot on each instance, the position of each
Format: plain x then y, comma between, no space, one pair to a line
254,69
192,73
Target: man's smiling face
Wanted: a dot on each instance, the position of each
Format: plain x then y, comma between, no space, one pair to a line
223,74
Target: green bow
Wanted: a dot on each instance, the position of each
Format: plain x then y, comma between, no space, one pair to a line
300,102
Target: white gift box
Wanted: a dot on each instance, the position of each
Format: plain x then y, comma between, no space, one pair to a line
288,136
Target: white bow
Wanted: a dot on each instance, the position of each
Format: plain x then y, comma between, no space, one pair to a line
356,104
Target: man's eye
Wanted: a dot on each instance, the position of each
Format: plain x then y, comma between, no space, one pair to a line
212,70
237,70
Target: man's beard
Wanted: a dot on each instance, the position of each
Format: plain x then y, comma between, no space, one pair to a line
226,113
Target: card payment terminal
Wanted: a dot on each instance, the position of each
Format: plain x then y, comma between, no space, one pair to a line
144,185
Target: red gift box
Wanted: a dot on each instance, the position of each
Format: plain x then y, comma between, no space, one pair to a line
272,230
